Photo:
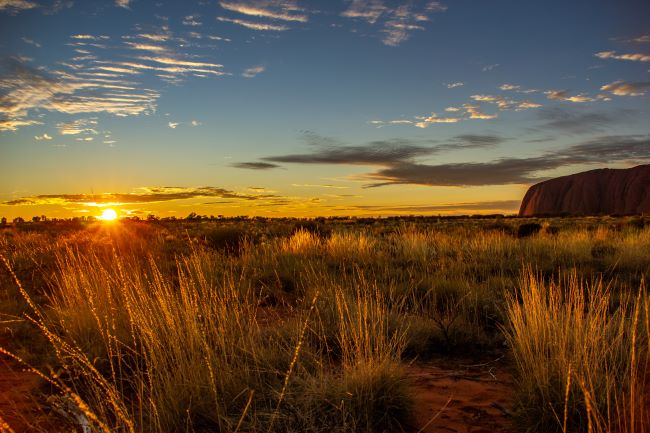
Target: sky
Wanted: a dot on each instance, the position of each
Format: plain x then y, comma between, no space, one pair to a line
313,108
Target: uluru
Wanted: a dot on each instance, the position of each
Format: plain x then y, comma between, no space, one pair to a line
603,191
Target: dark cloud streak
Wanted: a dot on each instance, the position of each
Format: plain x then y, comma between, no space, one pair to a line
255,165
146,195
603,150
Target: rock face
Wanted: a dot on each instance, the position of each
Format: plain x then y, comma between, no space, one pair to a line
595,192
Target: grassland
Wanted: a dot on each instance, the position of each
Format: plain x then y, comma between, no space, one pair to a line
290,326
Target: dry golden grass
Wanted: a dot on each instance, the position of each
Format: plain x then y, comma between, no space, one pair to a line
192,328
582,362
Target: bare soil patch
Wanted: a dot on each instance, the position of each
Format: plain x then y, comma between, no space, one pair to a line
461,396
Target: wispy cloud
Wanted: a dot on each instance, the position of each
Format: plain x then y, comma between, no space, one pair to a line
98,78
475,112
123,3
368,10
577,121
14,124
454,85
471,141
253,72
191,124
468,111
506,103
634,57
42,137
516,88
490,67
563,95
397,22
192,21
31,42
433,118
253,25
284,10
157,37
496,205
145,47
86,37
27,89
310,185
79,126
509,87
622,88
15,6
381,152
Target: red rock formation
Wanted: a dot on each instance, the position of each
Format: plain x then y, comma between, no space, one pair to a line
595,192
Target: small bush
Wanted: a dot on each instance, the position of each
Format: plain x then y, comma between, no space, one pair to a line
228,240
528,229
315,228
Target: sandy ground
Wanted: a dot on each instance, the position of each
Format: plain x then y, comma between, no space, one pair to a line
461,396
18,407
453,396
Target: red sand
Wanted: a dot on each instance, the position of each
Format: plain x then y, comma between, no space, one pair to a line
462,397
452,396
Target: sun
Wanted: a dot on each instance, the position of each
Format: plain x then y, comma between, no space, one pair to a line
108,215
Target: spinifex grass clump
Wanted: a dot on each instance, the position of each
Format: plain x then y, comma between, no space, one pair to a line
582,361
139,351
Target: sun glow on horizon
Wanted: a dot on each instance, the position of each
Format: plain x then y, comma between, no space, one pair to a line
108,215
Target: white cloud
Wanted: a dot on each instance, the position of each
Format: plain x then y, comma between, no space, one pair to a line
145,47
426,121
172,125
635,57
621,88
254,71
381,123
90,37
42,137
14,6
506,103
123,3
490,67
563,95
454,85
284,10
195,123
253,25
158,37
509,87
475,112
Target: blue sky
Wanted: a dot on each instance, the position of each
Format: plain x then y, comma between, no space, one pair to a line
283,107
